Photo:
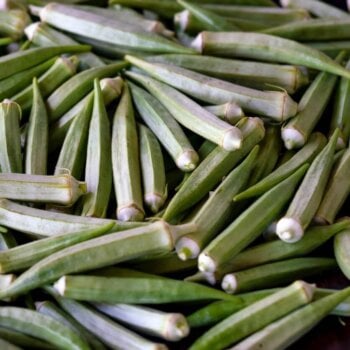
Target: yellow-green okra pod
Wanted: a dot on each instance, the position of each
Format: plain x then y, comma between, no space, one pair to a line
126,161
341,251
307,199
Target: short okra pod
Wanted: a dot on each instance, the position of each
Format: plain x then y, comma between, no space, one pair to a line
37,136
169,326
257,75
341,251
255,316
305,155
229,112
282,333
275,274
152,170
192,115
166,128
249,225
311,107
41,326
276,105
126,161
266,47
211,170
307,199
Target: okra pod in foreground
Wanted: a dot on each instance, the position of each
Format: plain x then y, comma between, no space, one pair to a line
266,47
255,316
306,201
273,104
282,333
249,225
341,251
103,251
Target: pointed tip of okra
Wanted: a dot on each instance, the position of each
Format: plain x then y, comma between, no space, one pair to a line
187,248
229,283
130,213
197,43
232,139
31,30
60,285
289,230
188,160
176,327
206,263
292,138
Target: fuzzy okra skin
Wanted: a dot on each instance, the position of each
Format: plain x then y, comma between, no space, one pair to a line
249,225
307,199
126,161
266,47
341,251
192,115
166,128
41,326
255,316
98,252
276,105
211,170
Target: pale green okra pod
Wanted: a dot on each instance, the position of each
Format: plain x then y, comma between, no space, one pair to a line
341,251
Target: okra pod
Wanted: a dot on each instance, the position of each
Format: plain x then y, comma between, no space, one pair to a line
330,48
166,128
152,170
275,274
255,316
266,47
191,114
13,22
37,135
10,139
229,112
249,225
211,170
126,161
307,199
5,41
341,251
273,104
7,240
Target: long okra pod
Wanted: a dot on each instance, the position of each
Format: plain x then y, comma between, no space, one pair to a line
165,127
341,251
255,316
230,112
126,161
191,114
266,47
273,104
211,170
306,201
249,225
37,137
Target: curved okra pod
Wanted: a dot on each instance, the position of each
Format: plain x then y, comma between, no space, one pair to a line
266,47
211,170
311,107
169,326
37,136
282,333
152,170
219,207
276,105
42,327
307,199
275,274
192,115
166,128
10,139
337,190
103,251
341,251
26,255
255,316
126,161
229,112
305,155
249,225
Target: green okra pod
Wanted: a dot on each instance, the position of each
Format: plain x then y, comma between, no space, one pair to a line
166,128
98,169
257,75
255,316
330,48
307,199
126,161
13,22
266,47
7,241
211,170
37,135
273,104
341,251
249,225
191,114
5,41
229,112
10,139
152,170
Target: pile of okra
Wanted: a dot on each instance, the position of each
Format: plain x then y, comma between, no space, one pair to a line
174,174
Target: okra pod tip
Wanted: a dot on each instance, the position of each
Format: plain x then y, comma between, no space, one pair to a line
289,230
177,327
188,160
